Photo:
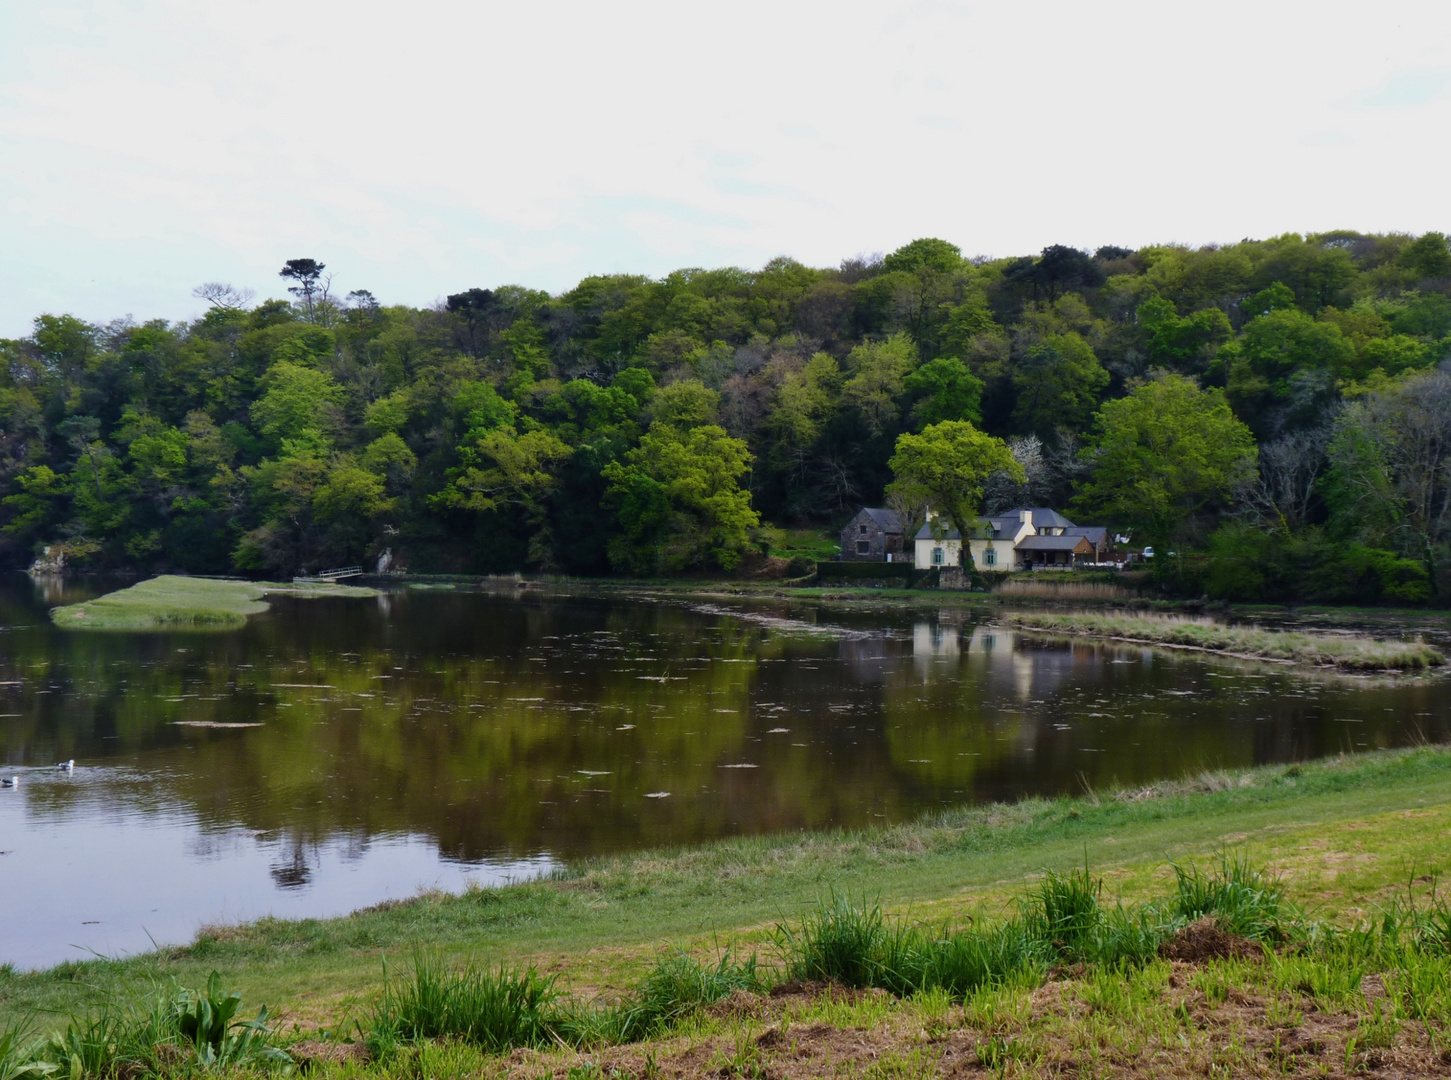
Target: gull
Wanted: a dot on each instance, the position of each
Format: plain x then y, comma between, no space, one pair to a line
10,781
66,766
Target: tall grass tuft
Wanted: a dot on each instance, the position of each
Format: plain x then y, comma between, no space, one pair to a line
843,942
1239,897
1063,911
964,962
680,984
494,1009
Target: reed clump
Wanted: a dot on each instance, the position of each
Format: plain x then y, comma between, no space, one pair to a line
1349,652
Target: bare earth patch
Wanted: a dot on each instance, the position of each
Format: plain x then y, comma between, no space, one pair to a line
1060,1030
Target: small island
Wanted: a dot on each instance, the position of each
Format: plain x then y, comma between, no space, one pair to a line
173,602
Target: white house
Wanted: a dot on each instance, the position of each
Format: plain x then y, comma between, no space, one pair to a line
1024,539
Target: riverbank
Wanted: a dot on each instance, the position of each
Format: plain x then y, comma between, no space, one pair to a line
172,602
1343,837
1348,652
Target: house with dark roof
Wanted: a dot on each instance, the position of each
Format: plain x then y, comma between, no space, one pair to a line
874,535
1030,538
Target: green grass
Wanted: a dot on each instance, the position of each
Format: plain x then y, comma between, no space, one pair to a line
171,602
809,544
1115,1000
1351,652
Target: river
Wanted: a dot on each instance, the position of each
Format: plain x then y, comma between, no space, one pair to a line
336,753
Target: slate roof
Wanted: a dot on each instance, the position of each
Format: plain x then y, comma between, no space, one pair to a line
925,533
1096,534
1043,517
887,519
1004,526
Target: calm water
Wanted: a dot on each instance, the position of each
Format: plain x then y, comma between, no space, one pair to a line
336,753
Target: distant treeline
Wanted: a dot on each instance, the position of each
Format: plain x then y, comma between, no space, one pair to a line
648,426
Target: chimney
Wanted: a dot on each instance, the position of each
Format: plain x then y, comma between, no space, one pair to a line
1025,516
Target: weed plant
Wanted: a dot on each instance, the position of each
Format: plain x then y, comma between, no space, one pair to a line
169,1029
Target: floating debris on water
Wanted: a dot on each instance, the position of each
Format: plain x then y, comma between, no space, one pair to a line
212,724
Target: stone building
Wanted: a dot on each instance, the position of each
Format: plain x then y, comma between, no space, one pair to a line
874,535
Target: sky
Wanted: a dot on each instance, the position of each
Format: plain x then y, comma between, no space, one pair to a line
422,148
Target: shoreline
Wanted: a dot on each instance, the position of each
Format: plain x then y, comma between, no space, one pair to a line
1035,832
1335,837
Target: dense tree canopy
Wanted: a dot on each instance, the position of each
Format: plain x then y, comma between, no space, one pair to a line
644,425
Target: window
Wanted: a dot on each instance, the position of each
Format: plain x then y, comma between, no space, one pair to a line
937,556
862,529
991,558
863,547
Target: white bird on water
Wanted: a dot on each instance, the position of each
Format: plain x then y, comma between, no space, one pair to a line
67,766
10,781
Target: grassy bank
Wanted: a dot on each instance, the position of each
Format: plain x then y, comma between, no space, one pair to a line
170,602
1341,840
1350,652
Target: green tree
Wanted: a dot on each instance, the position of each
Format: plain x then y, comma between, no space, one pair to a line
946,467
1162,455
679,501
1058,384
1185,344
1428,256
1282,372
946,390
505,470
299,406
874,388
1389,483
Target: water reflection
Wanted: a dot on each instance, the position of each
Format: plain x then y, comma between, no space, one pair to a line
456,735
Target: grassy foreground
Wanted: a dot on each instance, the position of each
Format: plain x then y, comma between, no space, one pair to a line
171,602
1350,652
1328,964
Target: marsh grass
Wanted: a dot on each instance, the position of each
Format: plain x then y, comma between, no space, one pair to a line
1350,652
1067,589
171,602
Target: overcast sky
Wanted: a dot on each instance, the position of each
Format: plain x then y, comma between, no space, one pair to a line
425,147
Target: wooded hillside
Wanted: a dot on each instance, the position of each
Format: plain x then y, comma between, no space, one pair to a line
650,426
